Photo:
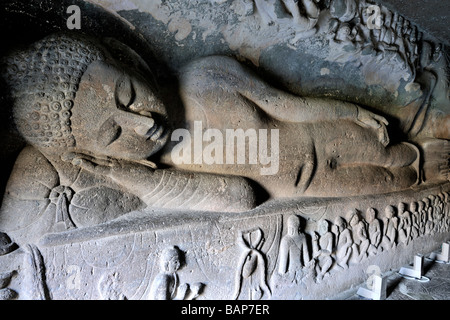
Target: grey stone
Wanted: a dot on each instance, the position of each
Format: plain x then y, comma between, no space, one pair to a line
239,149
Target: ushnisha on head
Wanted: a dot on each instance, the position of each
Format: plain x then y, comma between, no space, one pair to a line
70,93
44,80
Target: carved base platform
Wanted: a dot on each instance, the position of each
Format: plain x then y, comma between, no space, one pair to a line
223,256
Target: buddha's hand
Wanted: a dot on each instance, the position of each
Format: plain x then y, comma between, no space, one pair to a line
120,171
367,119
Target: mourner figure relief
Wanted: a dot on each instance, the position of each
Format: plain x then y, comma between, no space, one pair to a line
223,183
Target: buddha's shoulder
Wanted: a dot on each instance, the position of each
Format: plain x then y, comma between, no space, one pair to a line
32,174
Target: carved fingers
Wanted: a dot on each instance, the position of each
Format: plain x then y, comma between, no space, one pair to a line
89,163
367,119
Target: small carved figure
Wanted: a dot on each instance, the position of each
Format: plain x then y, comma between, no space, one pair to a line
344,243
436,213
344,10
344,33
415,219
439,205
423,217
390,227
429,227
166,285
405,224
375,232
437,54
447,210
360,239
323,246
294,253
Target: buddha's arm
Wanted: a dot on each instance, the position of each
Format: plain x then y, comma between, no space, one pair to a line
174,189
287,107
229,75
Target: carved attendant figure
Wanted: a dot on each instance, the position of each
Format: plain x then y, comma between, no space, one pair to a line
405,225
344,243
374,231
390,225
323,246
294,253
415,217
166,285
429,227
422,218
436,213
360,239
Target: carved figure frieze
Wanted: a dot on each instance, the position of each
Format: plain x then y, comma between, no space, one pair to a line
351,240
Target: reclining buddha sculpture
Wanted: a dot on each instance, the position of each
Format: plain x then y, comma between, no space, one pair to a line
101,143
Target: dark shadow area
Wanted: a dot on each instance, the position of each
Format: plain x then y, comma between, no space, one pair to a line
393,285
427,265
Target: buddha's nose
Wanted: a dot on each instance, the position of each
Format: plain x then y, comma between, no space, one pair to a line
142,125
144,128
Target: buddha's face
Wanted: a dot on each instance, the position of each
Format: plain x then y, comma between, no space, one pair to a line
116,114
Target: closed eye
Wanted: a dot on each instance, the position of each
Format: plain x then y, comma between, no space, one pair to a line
124,93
